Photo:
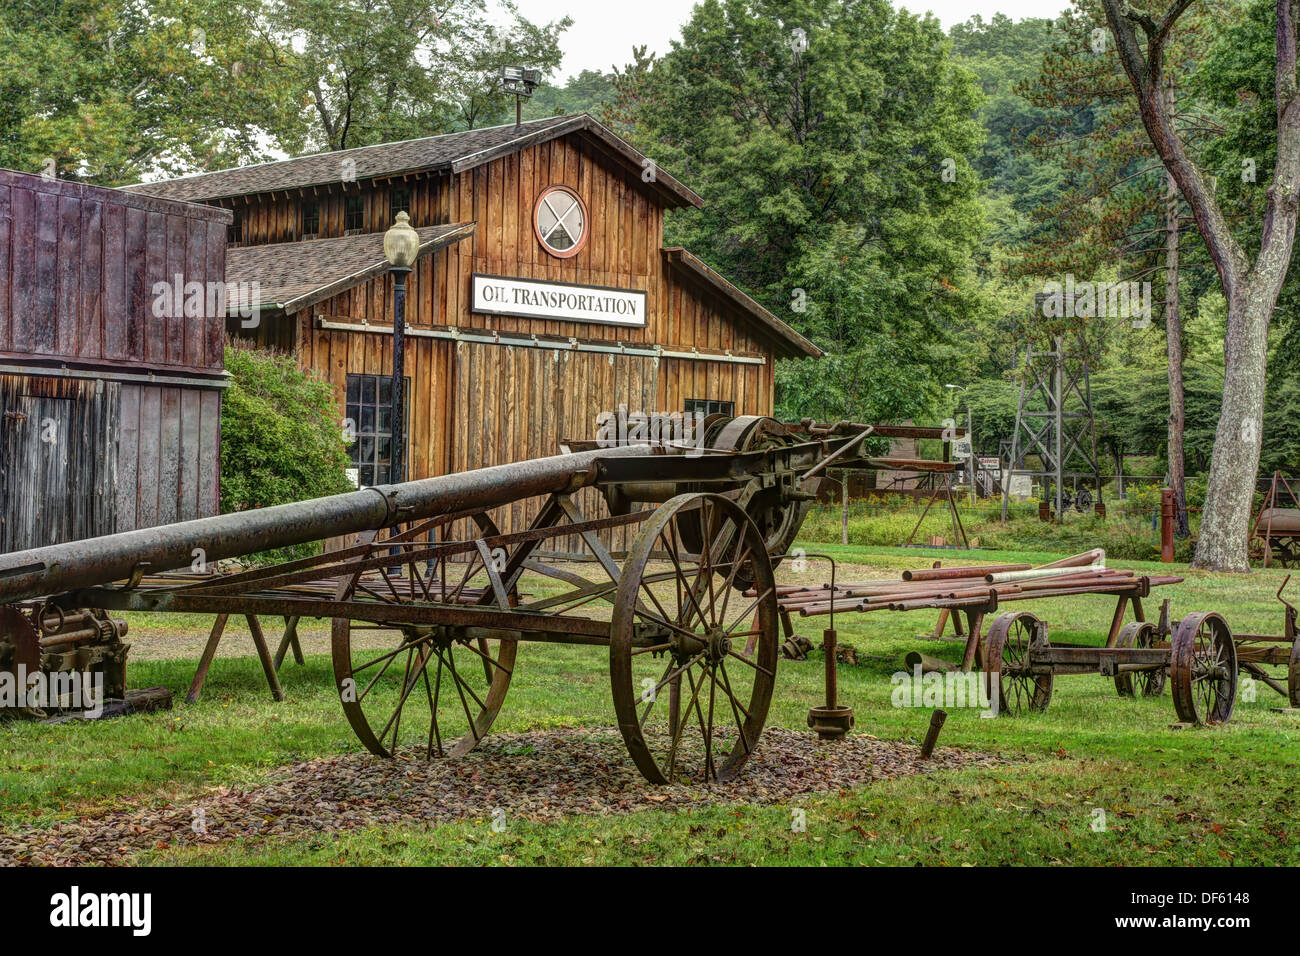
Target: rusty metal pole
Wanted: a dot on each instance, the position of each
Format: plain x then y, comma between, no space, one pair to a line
830,720
832,676
1167,515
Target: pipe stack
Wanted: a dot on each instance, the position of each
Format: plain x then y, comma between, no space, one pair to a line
957,587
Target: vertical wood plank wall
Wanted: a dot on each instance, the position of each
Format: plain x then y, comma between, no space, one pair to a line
78,266
77,269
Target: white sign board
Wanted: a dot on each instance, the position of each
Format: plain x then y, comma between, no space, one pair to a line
540,299
961,448
1019,485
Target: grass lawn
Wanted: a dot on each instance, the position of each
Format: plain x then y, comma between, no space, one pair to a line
1205,796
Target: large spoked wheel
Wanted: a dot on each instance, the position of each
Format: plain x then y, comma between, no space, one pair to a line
690,703
1140,683
1203,669
418,690
1007,662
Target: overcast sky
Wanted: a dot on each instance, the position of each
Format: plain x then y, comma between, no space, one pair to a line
604,31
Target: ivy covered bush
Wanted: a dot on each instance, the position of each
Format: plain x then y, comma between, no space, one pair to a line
281,439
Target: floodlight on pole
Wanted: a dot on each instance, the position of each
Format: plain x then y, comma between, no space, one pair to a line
520,82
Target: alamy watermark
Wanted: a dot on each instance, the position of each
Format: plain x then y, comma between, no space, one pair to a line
179,299
946,689
68,690
1087,300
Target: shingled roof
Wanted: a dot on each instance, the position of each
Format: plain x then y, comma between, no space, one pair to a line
293,276
451,152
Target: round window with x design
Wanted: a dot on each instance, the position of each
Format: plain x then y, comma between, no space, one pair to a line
561,221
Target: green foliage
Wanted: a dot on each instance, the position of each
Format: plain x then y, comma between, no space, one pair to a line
589,92
109,90
824,173
281,440
381,72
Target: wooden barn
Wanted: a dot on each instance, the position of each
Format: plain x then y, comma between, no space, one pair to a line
110,404
542,298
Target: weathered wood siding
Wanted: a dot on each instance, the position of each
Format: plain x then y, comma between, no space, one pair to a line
78,266
168,455
109,407
57,470
515,383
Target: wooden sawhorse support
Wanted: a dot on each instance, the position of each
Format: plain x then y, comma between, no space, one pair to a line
269,666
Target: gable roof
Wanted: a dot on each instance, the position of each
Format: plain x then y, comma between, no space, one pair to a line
788,340
449,152
293,276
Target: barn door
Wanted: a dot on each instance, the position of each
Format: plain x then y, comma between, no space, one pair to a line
56,476
36,475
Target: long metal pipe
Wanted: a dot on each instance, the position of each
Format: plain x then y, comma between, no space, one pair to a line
95,561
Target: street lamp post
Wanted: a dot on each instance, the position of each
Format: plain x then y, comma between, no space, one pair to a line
401,244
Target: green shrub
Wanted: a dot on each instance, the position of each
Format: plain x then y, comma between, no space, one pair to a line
281,439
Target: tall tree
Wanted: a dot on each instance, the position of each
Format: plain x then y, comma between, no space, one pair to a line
832,142
382,70
1251,284
105,90
1119,207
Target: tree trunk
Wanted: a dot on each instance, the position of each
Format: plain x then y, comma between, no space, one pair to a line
1221,544
1174,351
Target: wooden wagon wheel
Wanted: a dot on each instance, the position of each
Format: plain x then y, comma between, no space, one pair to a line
1007,660
683,689
1140,683
431,692
1203,669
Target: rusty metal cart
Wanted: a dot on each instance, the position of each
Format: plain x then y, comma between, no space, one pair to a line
1255,652
1019,661
431,601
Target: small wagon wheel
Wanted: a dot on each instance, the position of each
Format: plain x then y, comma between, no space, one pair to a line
1203,669
1083,500
1140,683
1284,550
432,692
1007,663
690,703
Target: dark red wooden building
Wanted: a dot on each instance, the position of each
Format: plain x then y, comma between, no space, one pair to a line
110,381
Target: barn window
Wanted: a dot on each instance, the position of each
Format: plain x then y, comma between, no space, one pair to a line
353,214
310,219
399,200
709,406
560,221
370,417
235,231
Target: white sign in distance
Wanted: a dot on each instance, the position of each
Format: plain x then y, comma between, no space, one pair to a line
562,301
1018,485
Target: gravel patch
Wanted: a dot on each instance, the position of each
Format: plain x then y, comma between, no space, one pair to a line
535,776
